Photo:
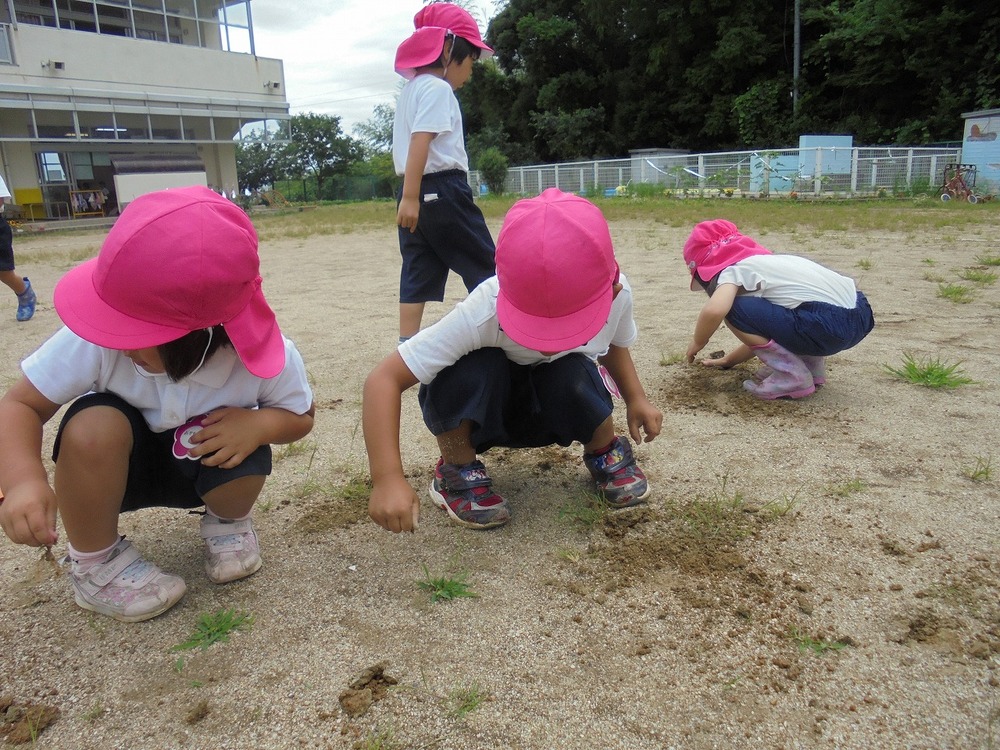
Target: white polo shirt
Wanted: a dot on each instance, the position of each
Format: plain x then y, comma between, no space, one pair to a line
66,366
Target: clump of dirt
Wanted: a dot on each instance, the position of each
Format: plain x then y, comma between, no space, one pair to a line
332,513
198,712
700,389
371,685
22,723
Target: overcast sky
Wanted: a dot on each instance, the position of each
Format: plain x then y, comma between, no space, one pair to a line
338,54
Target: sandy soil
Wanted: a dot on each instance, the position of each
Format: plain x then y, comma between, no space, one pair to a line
817,573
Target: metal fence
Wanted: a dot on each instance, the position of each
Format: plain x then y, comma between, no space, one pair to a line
818,172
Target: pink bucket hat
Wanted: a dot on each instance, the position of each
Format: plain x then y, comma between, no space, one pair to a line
556,267
176,261
717,244
433,23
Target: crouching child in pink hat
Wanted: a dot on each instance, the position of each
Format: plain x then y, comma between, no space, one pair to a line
788,311
180,381
440,227
515,364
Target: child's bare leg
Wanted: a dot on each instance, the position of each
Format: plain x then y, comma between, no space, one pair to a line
410,315
603,436
91,474
456,445
235,499
14,281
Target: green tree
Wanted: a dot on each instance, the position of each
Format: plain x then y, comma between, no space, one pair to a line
493,165
375,134
257,162
320,148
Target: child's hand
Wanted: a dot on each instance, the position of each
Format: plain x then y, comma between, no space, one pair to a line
408,213
642,414
394,505
229,435
28,514
692,351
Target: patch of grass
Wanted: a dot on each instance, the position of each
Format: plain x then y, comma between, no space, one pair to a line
818,646
585,511
215,629
298,448
865,264
775,509
721,516
464,700
935,277
670,359
379,739
848,488
960,295
93,713
569,554
981,470
930,373
929,262
988,260
446,588
979,276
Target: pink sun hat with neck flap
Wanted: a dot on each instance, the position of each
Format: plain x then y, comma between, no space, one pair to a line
556,267
176,261
433,23
717,244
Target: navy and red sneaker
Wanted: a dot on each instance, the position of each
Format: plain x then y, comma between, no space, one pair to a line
465,494
619,478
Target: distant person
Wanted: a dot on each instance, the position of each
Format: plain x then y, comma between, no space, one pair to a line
440,226
788,311
515,364
18,284
180,380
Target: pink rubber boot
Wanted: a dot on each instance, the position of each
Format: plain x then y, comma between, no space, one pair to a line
816,365
789,378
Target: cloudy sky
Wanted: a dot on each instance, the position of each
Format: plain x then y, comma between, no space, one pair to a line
338,54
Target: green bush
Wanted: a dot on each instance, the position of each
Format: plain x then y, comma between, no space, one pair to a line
493,167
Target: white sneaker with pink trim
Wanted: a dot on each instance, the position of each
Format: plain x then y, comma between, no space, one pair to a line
126,587
231,549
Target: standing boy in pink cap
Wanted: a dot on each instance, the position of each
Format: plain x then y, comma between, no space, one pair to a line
515,365
440,226
787,310
180,381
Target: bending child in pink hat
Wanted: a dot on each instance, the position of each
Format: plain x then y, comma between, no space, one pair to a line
440,226
787,310
179,380
515,364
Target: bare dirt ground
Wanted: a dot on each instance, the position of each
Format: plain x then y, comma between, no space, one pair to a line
808,574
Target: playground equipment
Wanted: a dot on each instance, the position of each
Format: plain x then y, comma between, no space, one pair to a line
959,183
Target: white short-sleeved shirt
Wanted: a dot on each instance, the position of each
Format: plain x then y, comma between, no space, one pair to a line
473,324
427,104
790,280
66,367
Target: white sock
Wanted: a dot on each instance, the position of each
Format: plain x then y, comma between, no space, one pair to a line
84,561
215,516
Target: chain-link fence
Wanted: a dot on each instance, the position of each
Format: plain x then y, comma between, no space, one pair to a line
807,171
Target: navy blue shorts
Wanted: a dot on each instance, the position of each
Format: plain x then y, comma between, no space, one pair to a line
815,329
451,235
156,476
517,406
6,245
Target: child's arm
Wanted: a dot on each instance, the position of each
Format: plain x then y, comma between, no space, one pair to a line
416,161
639,411
393,504
28,510
232,433
711,317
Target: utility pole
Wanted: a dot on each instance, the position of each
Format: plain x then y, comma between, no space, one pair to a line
796,58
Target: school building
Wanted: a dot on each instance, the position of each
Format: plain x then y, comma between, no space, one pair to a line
103,100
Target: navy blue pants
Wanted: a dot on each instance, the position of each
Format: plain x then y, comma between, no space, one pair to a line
517,406
815,329
156,476
451,234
